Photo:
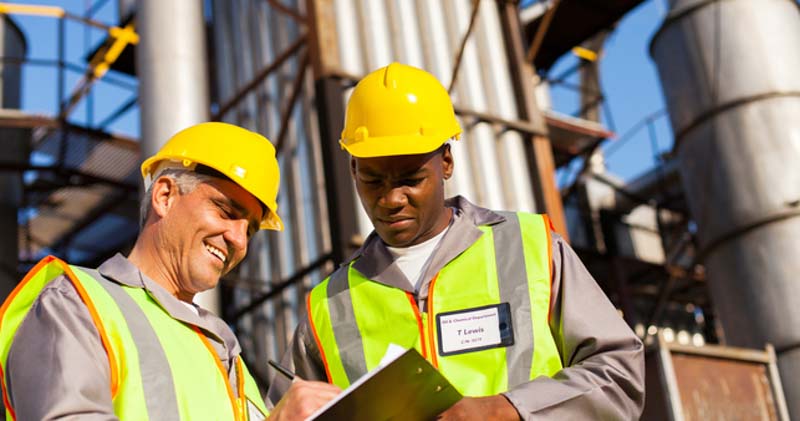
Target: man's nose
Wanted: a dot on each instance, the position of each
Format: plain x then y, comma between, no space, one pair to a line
236,234
393,197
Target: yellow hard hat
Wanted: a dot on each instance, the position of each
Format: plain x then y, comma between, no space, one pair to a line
245,157
398,110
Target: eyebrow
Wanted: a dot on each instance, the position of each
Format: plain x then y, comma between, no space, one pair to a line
241,210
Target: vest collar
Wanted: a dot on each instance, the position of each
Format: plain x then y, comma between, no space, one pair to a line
375,262
120,270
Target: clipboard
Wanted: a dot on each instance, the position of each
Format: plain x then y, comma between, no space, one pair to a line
407,388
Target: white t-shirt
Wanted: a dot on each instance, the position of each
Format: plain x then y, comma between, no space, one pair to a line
413,260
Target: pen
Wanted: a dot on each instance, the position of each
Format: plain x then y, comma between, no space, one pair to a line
281,369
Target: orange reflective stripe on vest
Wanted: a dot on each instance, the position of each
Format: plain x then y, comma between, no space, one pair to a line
155,360
355,319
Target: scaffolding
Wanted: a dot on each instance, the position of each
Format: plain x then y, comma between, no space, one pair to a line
79,182
285,68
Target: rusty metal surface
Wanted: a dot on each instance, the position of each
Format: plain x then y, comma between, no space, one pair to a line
712,383
715,388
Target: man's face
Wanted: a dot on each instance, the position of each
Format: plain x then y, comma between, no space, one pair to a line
205,234
404,195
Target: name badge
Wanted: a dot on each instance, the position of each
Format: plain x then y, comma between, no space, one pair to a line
475,329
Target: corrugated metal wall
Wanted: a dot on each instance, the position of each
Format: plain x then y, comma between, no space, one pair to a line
247,36
490,167
490,162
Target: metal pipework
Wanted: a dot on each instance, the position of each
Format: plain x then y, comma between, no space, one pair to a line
729,73
173,78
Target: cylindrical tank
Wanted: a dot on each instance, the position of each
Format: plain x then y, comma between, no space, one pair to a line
729,72
16,149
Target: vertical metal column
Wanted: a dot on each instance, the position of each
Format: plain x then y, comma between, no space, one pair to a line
339,188
540,151
16,149
729,73
173,78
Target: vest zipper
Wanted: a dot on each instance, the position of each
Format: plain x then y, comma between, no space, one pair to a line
434,357
420,325
426,335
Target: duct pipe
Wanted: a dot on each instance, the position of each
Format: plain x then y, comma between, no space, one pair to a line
16,150
729,72
173,79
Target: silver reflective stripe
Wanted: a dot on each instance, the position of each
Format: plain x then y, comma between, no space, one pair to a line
253,413
345,328
512,278
159,388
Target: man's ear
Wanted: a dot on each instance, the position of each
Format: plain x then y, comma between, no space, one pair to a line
164,192
447,162
353,167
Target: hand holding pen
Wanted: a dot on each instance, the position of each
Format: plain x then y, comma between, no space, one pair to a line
302,398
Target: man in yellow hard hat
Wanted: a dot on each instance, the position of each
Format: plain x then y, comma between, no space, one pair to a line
495,300
124,341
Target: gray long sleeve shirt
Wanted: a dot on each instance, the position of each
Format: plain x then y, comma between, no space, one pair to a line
603,374
57,367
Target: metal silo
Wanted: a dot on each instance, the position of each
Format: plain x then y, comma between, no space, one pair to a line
729,71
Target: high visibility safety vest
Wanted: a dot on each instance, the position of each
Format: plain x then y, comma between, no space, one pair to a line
354,319
160,368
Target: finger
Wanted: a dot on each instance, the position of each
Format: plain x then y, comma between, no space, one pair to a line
313,391
320,387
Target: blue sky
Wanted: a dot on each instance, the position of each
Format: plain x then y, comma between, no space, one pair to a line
628,78
630,82
40,82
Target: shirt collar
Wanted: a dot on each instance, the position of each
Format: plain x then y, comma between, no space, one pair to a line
375,262
120,270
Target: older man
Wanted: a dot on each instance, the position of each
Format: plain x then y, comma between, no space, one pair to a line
496,301
125,341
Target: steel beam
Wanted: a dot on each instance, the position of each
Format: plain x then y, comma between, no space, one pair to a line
540,151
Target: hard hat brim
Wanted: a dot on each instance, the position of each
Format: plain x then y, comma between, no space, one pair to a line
395,145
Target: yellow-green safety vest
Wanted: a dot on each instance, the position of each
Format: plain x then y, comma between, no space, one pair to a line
354,319
160,368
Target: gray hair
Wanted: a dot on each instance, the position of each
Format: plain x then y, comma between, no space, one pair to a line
186,180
